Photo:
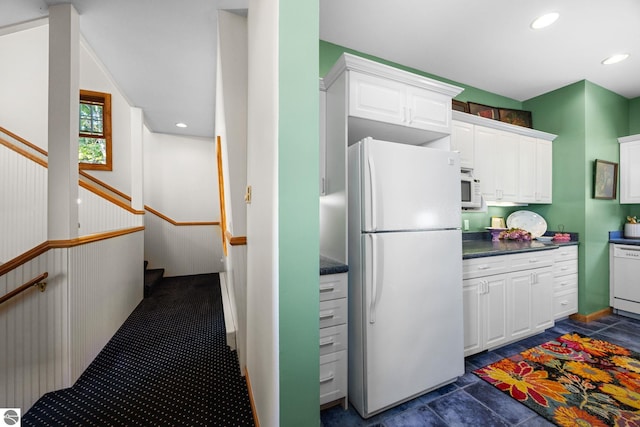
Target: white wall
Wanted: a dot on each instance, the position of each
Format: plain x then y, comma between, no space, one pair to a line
181,176
262,213
24,82
93,76
231,126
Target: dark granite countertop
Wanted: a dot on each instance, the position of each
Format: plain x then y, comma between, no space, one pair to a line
479,244
330,266
618,237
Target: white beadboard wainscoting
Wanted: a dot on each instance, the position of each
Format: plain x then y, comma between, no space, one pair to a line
23,204
234,283
182,249
34,332
97,215
106,283
49,338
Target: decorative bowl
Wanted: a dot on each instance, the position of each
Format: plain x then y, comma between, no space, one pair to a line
544,238
632,231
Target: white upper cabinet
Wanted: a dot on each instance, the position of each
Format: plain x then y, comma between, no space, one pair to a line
376,98
496,164
323,139
629,170
462,142
390,104
513,163
535,170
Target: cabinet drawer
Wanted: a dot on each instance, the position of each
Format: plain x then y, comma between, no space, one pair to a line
566,252
564,283
333,376
528,260
333,312
562,268
333,286
565,303
480,267
333,339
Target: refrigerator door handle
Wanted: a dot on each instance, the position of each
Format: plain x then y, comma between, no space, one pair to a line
374,278
374,188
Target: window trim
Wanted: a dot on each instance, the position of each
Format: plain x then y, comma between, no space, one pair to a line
105,100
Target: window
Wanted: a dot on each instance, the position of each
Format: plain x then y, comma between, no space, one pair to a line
94,143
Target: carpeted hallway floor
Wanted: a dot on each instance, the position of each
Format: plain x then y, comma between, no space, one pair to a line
168,365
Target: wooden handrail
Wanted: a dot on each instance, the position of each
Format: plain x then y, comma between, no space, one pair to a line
57,244
235,240
24,141
35,281
178,223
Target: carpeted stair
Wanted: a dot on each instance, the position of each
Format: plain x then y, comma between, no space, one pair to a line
152,276
168,365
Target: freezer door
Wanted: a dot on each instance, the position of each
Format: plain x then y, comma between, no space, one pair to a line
413,317
406,187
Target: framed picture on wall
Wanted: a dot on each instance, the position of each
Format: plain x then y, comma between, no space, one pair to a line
605,179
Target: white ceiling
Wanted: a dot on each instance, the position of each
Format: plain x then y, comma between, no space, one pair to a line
162,53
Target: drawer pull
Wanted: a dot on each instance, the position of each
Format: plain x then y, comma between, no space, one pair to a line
327,288
326,315
328,378
564,283
564,303
326,341
533,260
483,267
566,267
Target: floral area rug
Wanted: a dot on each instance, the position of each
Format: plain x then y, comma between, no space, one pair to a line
573,381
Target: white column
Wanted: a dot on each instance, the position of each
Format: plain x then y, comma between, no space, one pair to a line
137,160
64,90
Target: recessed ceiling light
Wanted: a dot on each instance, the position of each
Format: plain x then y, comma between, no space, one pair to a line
545,20
181,125
613,59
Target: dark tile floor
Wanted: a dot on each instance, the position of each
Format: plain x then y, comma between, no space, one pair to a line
472,402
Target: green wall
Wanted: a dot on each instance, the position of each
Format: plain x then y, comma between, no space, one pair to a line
588,119
607,119
298,213
634,116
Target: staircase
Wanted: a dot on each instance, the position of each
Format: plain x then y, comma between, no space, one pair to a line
152,276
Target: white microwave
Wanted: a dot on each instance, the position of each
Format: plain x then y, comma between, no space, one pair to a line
471,193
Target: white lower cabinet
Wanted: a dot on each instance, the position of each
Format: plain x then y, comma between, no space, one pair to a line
485,322
502,307
565,282
333,341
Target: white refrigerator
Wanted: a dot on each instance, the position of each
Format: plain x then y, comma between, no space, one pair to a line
405,273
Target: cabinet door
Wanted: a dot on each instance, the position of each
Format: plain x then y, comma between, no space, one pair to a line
428,110
462,142
376,98
485,159
544,171
519,307
506,166
542,304
630,172
473,316
323,141
495,310
527,170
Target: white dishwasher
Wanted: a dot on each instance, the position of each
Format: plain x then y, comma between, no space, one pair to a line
624,277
